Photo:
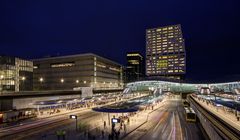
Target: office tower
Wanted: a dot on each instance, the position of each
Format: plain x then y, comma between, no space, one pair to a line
134,69
165,52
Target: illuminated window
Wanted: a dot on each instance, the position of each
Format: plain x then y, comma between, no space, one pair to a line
164,29
101,66
68,64
162,63
114,69
134,62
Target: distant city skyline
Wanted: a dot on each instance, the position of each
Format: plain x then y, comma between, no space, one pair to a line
111,29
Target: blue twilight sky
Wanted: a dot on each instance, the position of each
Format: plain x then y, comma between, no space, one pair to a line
111,28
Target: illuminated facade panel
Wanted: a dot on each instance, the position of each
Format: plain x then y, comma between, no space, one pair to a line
15,74
165,52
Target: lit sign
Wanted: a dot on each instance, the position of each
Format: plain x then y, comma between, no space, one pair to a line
114,120
73,116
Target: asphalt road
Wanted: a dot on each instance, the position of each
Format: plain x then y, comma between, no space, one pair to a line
49,129
167,123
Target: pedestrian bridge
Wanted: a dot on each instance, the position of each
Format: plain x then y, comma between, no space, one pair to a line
181,87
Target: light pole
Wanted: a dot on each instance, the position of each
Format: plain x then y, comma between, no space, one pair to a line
41,81
1,79
75,117
23,79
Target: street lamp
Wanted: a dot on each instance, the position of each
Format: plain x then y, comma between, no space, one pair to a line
23,79
62,80
41,79
77,81
76,118
1,78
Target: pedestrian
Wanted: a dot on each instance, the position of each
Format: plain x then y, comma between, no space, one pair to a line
121,125
102,134
104,124
125,128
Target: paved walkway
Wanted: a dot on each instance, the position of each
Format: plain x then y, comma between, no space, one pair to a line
221,112
96,130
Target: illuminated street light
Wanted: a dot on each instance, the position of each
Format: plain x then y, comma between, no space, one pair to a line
62,80
76,118
84,82
77,81
41,79
1,77
23,78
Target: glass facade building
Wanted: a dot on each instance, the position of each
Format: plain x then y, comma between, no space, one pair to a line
134,69
165,52
15,74
81,70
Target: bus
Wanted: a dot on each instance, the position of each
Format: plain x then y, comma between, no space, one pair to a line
185,103
190,114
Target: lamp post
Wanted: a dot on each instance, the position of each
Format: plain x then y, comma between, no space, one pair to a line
23,79
1,79
41,80
74,117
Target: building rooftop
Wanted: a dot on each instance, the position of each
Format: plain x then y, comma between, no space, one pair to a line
75,55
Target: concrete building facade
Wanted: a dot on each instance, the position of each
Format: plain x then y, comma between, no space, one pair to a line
82,70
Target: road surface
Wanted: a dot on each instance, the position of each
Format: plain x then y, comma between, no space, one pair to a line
167,123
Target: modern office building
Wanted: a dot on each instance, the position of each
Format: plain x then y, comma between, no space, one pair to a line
165,52
15,74
134,69
81,70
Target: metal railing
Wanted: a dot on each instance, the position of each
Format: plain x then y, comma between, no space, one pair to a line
222,128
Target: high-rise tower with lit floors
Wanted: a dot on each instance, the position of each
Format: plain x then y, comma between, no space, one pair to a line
165,52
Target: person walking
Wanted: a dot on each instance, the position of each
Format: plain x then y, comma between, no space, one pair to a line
102,134
104,124
125,128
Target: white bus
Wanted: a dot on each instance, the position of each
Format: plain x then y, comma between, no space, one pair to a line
190,114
